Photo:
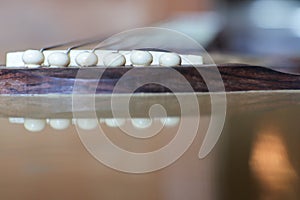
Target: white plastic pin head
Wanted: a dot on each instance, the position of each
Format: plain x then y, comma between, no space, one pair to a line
141,58
169,60
33,58
114,60
86,59
58,59
34,125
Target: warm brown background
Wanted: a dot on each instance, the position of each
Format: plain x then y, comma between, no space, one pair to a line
36,23
55,165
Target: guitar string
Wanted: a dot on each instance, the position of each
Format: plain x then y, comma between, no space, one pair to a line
80,43
100,44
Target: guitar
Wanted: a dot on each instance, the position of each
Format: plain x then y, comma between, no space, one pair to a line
45,91
58,85
56,82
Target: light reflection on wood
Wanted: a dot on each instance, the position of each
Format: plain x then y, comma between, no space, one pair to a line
54,164
270,164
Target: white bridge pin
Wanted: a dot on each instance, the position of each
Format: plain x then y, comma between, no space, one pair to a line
86,59
58,59
33,58
141,58
169,60
114,60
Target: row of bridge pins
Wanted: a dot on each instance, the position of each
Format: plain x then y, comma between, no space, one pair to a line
37,125
138,58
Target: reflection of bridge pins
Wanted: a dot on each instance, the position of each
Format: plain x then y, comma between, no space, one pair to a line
73,121
141,123
170,121
87,124
101,120
114,122
16,120
34,125
59,124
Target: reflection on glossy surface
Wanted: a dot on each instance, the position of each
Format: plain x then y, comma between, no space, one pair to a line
16,120
114,122
58,166
34,125
87,124
141,123
59,124
257,158
170,121
270,164
261,155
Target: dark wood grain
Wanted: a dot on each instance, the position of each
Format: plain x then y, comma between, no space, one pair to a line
61,81
47,93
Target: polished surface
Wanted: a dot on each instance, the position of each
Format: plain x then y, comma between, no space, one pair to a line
262,156
257,157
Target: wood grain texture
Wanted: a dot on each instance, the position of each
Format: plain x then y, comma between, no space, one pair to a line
62,81
46,93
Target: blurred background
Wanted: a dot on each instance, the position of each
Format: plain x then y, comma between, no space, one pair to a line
256,27
258,154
